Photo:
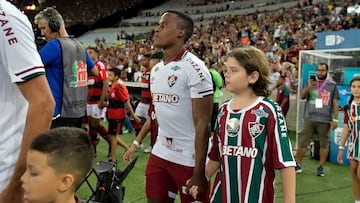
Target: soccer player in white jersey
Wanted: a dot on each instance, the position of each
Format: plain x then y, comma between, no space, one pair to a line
26,104
251,138
181,89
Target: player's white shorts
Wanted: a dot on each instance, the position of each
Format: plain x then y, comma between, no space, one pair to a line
142,110
94,111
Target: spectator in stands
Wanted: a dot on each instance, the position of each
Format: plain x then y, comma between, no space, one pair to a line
217,85
26,104
182,95
321,115
283,95
66,63
57,163
143,107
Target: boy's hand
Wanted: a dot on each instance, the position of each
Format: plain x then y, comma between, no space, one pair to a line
198,184
193,191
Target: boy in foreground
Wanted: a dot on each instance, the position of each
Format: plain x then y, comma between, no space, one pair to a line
57,163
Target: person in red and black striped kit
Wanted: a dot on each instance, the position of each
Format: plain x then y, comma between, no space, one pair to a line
98,87
142,109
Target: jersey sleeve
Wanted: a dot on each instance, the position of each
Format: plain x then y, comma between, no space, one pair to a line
214,153
89,62
346,114
199,79
19,55
102,71
281,150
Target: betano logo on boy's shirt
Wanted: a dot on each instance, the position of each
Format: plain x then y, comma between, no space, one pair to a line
79,78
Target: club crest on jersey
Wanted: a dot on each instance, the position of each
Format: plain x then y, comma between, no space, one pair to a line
172,80
169,141
255,129
175,68
260,113
233,127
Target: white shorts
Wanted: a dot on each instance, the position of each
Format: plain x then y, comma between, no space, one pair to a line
142,110
93,110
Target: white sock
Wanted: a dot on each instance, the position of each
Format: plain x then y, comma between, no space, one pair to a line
357,201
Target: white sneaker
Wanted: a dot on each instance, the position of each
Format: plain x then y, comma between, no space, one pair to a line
148,149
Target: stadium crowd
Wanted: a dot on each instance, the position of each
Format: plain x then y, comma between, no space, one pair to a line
281,35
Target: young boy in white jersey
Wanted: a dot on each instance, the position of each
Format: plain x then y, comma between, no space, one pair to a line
351,130
251,138
57,163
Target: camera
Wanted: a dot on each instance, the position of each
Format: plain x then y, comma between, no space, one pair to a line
313,77
40,41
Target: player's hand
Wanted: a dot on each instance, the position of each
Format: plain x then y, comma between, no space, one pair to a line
197,184
311,83
128,154
12,195
333,125
102,104
137,119
340,156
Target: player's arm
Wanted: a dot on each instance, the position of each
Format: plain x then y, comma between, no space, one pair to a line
104,92
145,129
306,90
131,110
201,111
344,137
334,122
288,180
40,110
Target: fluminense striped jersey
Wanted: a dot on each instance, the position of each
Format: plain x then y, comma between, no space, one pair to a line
173,86
250,144
352,118
19,63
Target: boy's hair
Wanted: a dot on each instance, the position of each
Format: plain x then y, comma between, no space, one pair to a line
253,59
116,71
68,149
184,22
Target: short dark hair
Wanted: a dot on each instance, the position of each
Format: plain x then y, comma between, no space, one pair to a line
69,151
94,48
116,71
184,22
147,55
324,64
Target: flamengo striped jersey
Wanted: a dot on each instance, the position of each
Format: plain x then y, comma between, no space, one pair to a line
95,83
250,144
352,118
173,86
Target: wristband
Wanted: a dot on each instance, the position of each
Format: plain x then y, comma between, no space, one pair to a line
334,120
136,143
341,147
